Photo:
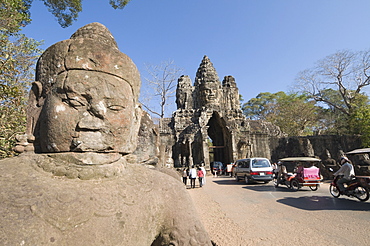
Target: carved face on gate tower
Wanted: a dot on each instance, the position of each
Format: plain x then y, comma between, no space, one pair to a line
210,94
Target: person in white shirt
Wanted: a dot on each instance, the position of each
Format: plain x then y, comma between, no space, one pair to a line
192,176
347,171
204,173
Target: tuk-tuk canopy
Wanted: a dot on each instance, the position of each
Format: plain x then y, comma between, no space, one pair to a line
359,151
291,162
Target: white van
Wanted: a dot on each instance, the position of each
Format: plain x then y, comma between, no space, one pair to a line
253,169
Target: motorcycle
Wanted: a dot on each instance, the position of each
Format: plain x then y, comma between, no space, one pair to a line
354,189
283,181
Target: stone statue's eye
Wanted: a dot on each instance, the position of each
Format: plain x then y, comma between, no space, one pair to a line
116,107
73,102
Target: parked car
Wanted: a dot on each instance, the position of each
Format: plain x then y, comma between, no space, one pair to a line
217,167
253,169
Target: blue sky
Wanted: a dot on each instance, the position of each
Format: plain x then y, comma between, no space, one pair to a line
262,43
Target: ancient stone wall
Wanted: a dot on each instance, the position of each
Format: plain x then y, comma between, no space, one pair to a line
323,146
329,148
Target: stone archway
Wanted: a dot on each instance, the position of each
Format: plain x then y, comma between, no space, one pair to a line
221,139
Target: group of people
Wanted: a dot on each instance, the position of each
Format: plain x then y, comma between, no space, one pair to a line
193,173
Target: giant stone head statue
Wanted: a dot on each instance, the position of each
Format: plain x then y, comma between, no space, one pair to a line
88,93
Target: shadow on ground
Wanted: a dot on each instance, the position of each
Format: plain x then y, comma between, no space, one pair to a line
315,203
228,181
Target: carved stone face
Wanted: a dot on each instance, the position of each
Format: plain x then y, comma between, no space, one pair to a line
210,94
88,111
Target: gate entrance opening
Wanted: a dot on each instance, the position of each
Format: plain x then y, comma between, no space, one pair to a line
220,140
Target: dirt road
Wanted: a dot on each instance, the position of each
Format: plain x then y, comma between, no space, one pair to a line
238,214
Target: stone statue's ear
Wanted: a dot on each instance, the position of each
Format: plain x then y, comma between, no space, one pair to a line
37,92
35,102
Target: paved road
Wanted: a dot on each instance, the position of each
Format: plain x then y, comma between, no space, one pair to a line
279,216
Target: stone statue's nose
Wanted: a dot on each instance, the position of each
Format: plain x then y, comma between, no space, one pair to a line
98,109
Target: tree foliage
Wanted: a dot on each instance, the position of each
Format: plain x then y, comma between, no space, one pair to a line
295,114
344,73
13,15
338,82
17,59
66,11
259,107
360,123
18,55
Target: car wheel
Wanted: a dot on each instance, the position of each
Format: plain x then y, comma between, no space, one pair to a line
236,178
246,179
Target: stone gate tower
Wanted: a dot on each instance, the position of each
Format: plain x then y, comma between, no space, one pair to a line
209,125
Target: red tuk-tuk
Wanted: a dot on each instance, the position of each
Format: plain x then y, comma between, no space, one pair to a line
298,172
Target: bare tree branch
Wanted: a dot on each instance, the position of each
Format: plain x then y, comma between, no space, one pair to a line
162,82
345,72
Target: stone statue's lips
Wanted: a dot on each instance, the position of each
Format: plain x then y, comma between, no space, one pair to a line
93,141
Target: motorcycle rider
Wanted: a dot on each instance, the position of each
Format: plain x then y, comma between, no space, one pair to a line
281,172
347,171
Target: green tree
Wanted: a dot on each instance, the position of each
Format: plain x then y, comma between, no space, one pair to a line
16,74
296,115
18,55
345,73
337,82
259,107
332,119
13,15
360,123
66,11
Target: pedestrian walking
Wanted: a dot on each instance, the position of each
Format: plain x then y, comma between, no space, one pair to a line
204,174
185,176
192,176
200,176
